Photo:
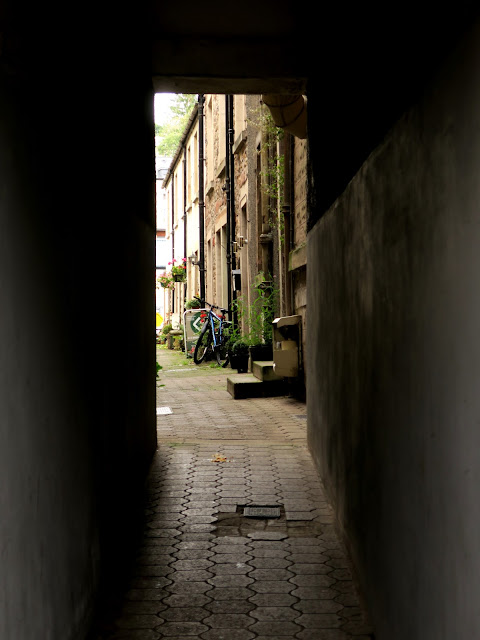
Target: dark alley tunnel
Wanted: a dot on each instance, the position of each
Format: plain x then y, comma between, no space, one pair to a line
392,294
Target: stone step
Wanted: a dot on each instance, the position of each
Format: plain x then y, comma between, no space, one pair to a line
246,385
263,370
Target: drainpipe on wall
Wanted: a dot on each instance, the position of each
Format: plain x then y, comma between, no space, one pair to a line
286,148
173,237
230,193
201,196
289,112
173,219
227,189
184,213
231,132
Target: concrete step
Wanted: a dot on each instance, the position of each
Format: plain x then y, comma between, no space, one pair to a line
246,385
263,370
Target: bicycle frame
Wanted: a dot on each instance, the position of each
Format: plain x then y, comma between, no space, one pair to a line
212,316
212,334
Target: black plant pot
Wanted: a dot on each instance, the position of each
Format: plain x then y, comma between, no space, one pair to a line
261,352
239,362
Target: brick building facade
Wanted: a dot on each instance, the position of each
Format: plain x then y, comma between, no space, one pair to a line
247,229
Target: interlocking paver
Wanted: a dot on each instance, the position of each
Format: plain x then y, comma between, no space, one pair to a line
314,593
228,634
229,606
269,563
205,570
194,544
268,553
191,554
275,613
310,568
272,586
319,606
237,568
181,628
222,558
229,621
187,565
191,600
230,593
184,614
283,628
185,588
237,580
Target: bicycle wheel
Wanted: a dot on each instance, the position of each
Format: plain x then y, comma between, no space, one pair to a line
221,355
203,345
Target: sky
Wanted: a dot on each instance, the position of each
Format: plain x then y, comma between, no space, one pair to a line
162,106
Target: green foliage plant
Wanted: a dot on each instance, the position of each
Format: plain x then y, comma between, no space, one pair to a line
257,317
272,173
170,133
240,347
260,314
166,329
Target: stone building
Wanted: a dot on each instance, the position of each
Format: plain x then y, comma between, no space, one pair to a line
181,189
255,205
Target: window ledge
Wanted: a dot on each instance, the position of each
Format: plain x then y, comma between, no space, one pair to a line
297,258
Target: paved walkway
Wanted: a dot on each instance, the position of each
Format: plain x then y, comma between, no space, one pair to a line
207,567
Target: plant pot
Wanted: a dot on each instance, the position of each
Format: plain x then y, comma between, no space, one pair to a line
239,362
261,352
179,277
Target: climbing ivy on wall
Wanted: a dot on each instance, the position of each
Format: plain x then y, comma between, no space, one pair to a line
272,173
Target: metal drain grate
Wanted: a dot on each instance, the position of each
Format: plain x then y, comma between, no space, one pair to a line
261,512
163,411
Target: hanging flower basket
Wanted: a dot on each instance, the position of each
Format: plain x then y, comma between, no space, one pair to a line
179,272
165,281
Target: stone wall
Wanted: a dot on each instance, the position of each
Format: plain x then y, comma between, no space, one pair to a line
298,256
393,369
77,363
215,200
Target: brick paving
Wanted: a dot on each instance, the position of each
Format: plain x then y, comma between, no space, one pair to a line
206,570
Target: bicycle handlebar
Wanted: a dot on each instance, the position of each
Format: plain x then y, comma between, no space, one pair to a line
212,306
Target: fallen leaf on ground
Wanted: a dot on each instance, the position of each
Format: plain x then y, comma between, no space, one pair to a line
218,458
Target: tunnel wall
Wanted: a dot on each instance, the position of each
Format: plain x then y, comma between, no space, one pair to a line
393,375
77,362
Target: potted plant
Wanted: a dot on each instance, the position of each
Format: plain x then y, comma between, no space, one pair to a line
239,355
165,331
179,271
194,303
165,281
261,314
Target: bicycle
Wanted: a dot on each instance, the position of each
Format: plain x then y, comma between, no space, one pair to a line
212,338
